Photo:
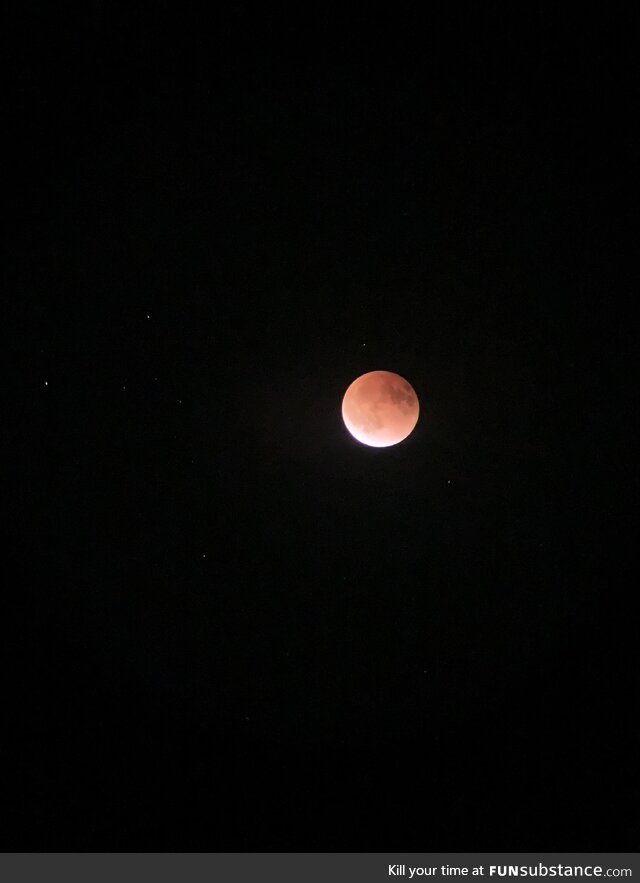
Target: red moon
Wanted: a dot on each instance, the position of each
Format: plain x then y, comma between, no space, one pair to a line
380,409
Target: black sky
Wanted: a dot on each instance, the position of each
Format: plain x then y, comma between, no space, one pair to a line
230,626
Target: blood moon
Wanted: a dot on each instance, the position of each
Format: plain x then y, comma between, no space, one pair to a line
380,409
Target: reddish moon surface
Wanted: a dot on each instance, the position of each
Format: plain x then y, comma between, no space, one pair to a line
380,409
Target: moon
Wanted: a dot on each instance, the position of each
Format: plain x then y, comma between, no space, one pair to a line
380,409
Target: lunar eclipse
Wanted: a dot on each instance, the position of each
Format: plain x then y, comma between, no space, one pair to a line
380,409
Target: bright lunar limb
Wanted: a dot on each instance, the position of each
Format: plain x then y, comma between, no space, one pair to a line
380,409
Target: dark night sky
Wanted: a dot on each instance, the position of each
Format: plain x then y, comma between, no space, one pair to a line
232,627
